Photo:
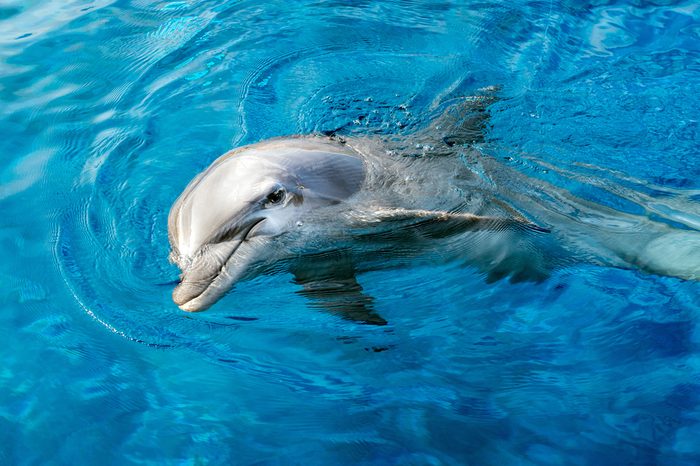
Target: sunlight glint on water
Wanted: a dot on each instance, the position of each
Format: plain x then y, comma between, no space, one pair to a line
108,109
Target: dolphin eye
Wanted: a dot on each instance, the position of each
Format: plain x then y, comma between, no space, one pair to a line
275,197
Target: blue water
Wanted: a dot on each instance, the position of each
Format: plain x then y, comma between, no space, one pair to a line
109,108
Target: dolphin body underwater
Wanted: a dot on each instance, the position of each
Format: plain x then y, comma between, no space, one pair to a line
327,208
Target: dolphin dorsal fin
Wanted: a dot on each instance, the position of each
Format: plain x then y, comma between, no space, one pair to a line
459,121
463,120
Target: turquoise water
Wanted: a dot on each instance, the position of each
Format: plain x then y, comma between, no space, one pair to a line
109,108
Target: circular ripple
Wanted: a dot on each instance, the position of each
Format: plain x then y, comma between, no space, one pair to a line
163,120
112,243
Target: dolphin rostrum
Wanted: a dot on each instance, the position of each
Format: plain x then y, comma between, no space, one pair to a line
327,208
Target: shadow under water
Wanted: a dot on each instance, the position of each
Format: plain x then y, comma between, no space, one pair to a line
107,111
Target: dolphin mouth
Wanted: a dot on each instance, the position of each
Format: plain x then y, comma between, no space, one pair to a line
200,293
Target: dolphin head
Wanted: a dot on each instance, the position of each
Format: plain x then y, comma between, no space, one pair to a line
232,216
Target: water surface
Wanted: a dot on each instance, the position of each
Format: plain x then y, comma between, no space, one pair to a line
109,108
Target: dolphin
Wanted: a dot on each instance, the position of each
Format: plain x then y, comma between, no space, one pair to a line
327,207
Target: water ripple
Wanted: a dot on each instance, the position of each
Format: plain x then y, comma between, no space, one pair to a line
112,107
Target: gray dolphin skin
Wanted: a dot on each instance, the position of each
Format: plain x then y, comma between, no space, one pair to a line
327,208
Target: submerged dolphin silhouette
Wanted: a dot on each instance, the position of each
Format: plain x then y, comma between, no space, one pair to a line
326,208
